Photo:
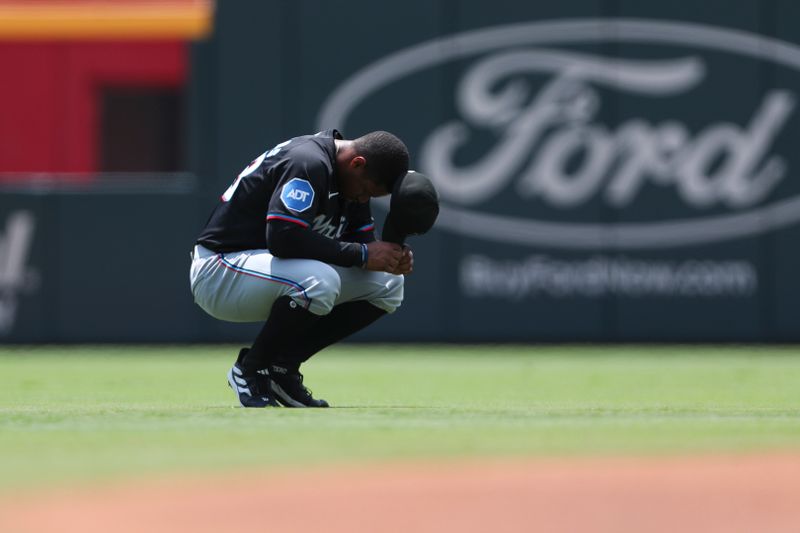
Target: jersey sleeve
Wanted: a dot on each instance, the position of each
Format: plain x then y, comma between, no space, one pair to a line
299,192
289,241
360,224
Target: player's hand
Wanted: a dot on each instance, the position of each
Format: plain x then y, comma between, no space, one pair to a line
383,256
406,264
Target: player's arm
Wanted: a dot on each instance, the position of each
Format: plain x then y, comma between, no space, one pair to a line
289,240
292,208
383,256
292,242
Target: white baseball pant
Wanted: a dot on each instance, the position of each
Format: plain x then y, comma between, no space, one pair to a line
242,286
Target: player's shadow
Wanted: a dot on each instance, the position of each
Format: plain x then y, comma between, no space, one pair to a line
363,407
383,407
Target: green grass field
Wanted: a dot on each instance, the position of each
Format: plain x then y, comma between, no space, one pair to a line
82,413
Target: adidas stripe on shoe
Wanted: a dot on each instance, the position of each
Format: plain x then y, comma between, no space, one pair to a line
246,387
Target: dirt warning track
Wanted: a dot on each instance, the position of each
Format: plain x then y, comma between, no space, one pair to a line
620,495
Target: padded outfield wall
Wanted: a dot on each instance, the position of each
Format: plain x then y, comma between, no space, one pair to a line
609,171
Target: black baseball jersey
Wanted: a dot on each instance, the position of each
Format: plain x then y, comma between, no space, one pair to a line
294,184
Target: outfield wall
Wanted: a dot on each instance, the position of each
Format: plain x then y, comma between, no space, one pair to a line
609,171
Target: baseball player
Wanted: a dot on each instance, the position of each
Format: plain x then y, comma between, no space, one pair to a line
292,244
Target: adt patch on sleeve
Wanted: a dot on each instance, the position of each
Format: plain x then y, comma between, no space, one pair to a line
297,195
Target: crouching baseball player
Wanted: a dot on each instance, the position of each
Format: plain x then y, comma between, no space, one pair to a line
292,244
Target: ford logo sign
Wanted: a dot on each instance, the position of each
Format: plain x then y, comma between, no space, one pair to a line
551,146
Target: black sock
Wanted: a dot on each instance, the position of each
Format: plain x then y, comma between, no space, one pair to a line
288,324
343,321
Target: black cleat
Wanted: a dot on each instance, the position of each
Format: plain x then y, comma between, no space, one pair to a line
262,376
252,389
287,387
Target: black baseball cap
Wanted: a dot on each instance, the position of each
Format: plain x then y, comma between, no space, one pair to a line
413,209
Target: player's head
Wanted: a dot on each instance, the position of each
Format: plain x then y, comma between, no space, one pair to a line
386,157
375,163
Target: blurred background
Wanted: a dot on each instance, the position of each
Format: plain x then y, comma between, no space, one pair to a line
609,170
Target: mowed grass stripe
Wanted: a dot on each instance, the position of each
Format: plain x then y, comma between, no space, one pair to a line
81,413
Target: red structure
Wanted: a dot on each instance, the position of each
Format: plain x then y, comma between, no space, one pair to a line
58,58
50,101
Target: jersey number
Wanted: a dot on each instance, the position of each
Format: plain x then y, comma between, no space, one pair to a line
226,197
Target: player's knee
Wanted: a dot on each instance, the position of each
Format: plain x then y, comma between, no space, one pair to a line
390,296
323,288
